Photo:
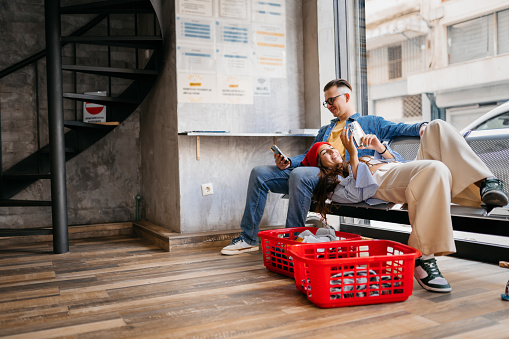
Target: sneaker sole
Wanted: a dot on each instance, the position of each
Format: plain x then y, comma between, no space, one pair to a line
235,252
433,289
495,199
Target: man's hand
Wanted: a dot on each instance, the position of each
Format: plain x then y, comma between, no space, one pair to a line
421,130
280,162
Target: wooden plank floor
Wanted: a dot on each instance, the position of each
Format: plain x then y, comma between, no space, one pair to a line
121,287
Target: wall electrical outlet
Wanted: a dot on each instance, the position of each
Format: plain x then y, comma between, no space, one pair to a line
207,189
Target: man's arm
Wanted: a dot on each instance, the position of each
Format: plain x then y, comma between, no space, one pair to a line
388,130
422,128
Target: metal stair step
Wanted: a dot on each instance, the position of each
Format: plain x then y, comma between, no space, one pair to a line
23,203
78,125
111,71
110,6
134,41
7,232
70,150
27,176
102,100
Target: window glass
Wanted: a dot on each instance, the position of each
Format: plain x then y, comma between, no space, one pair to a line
503,31
500,121
471,39
394,59
393,62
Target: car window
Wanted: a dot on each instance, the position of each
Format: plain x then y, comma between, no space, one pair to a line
500,121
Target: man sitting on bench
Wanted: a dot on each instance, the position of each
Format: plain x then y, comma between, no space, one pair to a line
299,181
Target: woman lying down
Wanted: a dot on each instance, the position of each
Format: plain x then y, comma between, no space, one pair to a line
446,170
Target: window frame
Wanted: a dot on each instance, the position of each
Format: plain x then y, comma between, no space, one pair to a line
345,13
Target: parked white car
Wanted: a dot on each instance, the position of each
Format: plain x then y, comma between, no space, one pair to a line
495,119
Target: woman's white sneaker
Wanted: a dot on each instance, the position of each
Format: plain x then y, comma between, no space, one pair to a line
238,246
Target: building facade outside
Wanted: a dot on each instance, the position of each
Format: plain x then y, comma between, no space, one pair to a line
437,59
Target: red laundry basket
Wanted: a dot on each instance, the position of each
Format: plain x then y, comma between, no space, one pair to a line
357,272
275,245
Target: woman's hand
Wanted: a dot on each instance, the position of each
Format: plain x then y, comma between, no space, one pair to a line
352,150
348,143
370,141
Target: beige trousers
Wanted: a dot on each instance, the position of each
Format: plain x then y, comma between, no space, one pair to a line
444,171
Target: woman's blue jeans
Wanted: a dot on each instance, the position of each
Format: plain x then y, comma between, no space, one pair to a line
298,183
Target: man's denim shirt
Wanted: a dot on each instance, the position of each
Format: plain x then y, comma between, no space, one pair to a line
371,124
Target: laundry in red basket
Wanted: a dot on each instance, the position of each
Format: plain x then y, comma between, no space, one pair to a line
322,235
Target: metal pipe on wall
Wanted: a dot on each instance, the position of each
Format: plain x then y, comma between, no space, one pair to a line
56,126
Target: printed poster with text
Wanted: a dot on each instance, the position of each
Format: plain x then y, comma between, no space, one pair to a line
196,59
270,50
195,7
270,11
236,9
234,52
197,88
225,46
235,89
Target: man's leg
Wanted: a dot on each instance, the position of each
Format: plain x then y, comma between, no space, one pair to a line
262,180
441,141
302,183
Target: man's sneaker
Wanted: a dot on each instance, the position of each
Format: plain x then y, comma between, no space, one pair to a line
238,246
429,277
492,193
314,219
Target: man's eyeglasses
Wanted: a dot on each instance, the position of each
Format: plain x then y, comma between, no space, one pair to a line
331,100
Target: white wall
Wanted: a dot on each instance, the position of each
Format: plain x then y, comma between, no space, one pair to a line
463,76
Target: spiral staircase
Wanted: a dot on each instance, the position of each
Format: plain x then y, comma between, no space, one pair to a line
138,81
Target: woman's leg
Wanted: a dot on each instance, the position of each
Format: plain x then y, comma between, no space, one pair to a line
425,186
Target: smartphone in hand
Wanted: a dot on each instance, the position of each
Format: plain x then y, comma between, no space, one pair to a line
357,132
276,150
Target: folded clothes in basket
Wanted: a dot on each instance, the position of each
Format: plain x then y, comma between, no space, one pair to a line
322,235
279,258
348,282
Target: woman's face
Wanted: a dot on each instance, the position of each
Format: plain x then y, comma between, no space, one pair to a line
329,156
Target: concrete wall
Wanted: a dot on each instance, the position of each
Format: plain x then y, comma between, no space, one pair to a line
21,35
159,142
226,162
101,184
103,180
